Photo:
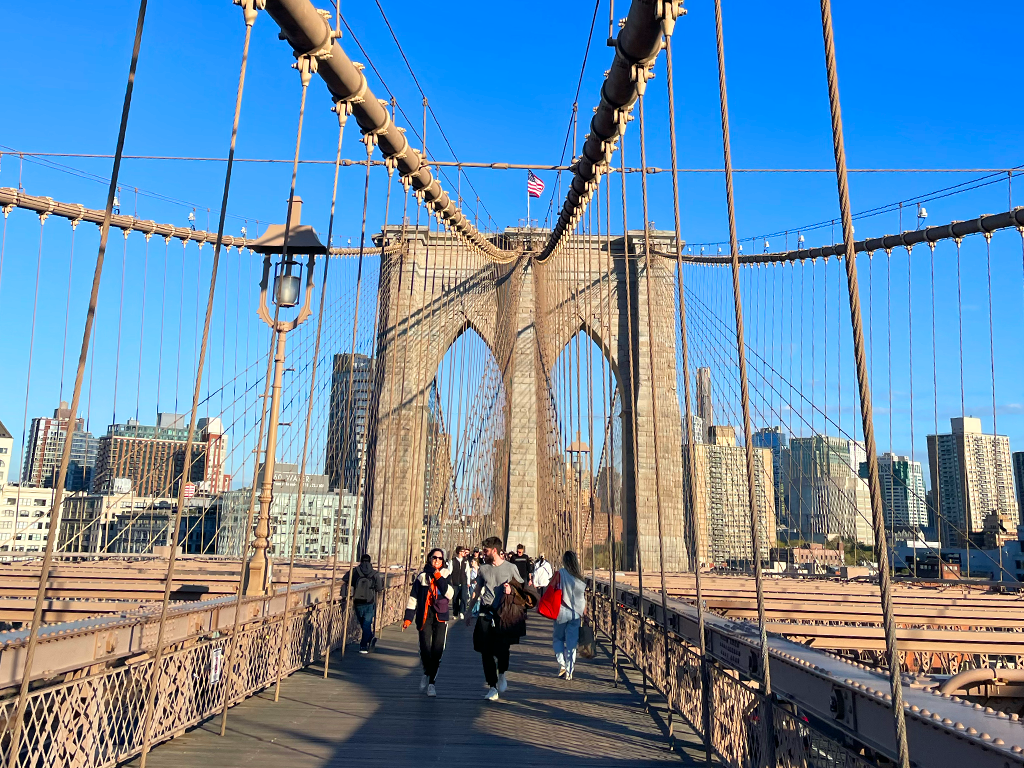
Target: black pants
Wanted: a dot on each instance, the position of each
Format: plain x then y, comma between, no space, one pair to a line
458,602
432,638
493,647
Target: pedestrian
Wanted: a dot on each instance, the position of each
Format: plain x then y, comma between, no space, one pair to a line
366,583
523,562
489,640
542,573
459,580
473,570
429,606
570,615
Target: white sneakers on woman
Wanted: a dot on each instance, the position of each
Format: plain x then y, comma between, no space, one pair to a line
492,694
431,690
424,682
502,685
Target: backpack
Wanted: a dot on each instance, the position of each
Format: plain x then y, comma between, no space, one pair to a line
364,591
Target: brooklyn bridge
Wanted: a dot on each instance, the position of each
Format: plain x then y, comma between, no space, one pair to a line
780,451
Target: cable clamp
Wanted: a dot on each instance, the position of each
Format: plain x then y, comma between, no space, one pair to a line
357,97
81,215
250,8
306,64
640,74
343,109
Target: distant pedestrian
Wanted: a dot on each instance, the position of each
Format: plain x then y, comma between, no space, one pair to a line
473,570
366,583
490,640
570,615
459,580
429,606
522,561
542,573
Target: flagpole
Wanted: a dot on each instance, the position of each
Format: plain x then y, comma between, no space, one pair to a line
528,228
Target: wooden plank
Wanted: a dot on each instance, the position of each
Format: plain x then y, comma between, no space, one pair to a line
371,713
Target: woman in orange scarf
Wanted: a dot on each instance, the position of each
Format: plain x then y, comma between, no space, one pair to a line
428,606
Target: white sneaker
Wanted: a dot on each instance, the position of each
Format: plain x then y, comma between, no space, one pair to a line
431,690
492,694
424,682
502,683
562,672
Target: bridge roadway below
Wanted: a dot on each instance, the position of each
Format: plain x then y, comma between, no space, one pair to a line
370,712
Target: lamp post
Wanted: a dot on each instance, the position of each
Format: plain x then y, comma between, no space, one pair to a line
288,240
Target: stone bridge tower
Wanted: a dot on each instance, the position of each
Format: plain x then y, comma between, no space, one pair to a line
526,312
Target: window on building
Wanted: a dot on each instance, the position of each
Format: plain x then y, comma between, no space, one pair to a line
7,524
39,502
11,500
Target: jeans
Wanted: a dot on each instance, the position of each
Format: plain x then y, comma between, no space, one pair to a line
432,639
566,638
365,612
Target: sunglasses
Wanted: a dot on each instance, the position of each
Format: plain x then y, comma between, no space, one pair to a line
436,557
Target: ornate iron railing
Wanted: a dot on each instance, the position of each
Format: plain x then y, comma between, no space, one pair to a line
97,718
738,710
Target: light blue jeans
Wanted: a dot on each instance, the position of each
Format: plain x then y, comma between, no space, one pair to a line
566,638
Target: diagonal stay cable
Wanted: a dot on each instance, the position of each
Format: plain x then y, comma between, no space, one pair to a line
419,87
575,101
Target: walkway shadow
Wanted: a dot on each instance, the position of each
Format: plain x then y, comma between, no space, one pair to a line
370,712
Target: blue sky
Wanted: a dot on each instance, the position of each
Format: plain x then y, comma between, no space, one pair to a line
920,88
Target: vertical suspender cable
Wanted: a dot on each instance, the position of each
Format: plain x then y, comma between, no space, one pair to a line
148,722
878,519
688,435
654,414
58,494
755,527
642,662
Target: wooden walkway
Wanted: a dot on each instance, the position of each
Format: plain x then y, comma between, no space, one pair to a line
371,713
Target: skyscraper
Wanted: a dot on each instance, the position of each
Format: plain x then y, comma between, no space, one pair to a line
351,387
723,501
904,499
45,445
775,439
825,494
152,459
1018,477
705,406
972,477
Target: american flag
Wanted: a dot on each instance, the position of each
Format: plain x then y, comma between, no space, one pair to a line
190,490
534,186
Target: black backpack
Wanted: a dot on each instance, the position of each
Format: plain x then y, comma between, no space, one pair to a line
364,591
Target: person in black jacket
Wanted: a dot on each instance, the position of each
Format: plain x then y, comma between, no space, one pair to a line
524,563
428,606
459,580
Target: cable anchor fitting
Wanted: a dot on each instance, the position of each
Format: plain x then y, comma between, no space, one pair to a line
250,9
306,64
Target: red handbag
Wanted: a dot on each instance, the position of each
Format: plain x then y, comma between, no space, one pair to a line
551,602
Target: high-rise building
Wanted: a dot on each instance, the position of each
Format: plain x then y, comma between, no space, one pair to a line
723,501
45,445
319,515
904,499
776,440
1018,478
150,461
705,406
6,446
825,495
351,388
972,475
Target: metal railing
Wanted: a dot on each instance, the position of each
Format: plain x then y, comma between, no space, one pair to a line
738,710
96,717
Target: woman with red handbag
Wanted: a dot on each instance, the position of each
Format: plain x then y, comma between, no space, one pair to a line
572,604
429,605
